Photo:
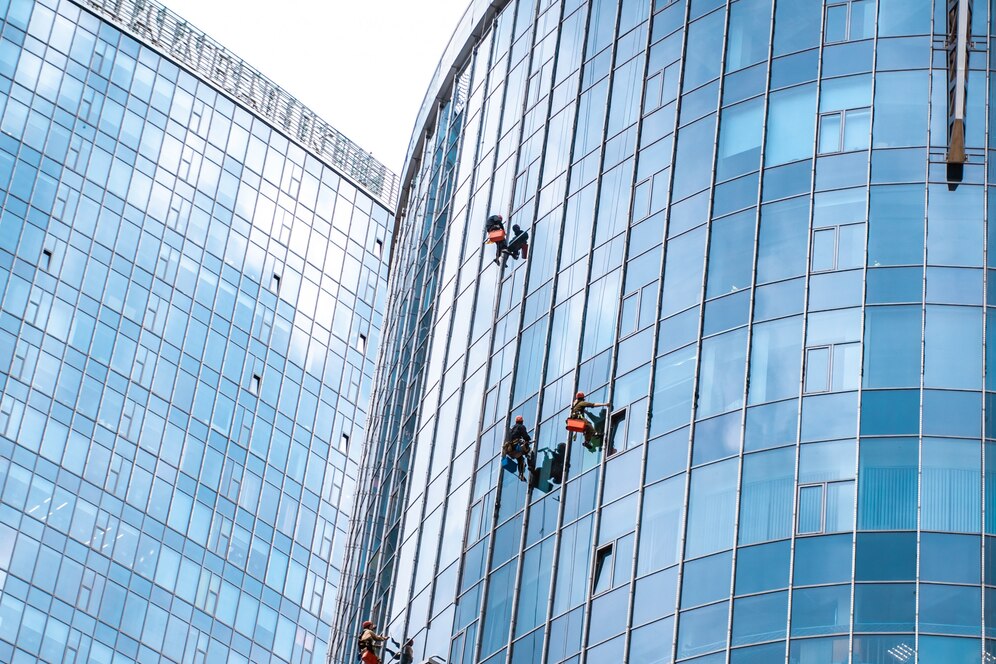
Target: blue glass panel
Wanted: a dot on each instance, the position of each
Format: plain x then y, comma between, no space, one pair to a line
876,649
771,425
762,567
712,506
819,611
895,235
828,416
950,609
823,651
703,630
951,485
951,558
884,608
759,618
647,643
885,557
885,412
654,596
892,345
887,484
706,580
898,284
822,560
941,650
758,654
767,495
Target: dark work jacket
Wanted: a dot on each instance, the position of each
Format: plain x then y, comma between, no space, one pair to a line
518,432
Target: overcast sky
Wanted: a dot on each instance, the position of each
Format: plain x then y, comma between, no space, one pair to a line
362,65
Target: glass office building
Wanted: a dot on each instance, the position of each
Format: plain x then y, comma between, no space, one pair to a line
191,283
752,232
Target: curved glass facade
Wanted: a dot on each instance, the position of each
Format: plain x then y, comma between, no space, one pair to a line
189,307
746,237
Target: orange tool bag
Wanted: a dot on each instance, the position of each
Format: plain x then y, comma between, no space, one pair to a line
576,425
369,657
496,235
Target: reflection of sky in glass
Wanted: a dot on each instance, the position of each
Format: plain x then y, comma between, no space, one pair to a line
191,309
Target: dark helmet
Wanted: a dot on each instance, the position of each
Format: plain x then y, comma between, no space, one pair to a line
580,395
515,227
495,218
518,419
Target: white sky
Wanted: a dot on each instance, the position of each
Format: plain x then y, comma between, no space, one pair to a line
361,65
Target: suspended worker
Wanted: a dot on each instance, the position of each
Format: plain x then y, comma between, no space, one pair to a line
407,654
519,244
369,643
495,228
579,411
517,446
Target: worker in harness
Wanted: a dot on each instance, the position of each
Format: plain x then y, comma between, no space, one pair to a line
517,447
495,229
369,642
519,244
593,424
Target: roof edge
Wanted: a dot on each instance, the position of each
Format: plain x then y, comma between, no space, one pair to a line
175,38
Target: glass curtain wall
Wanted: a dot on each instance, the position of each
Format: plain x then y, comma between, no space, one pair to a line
189,310
744,237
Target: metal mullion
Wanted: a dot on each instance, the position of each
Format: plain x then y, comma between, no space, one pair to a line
923,347
701,325
750,322
634,567
519,560
446,507
489,558
660,303
553,299
596,521
985,331
804,351
430,214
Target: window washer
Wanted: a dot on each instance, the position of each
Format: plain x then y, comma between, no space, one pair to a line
369,643
407,653
495,228
519,244
516,446
592,433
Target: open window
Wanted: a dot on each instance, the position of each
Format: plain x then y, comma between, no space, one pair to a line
601,579
255,383
46,260
617,432
275,283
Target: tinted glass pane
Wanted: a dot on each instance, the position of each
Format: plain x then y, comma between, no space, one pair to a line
951,485
822,560
762,567
759,618
822,651
766,496
950,609
703,630
818,611
952,558
712,504
884,608
895,235
885,557
706,580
